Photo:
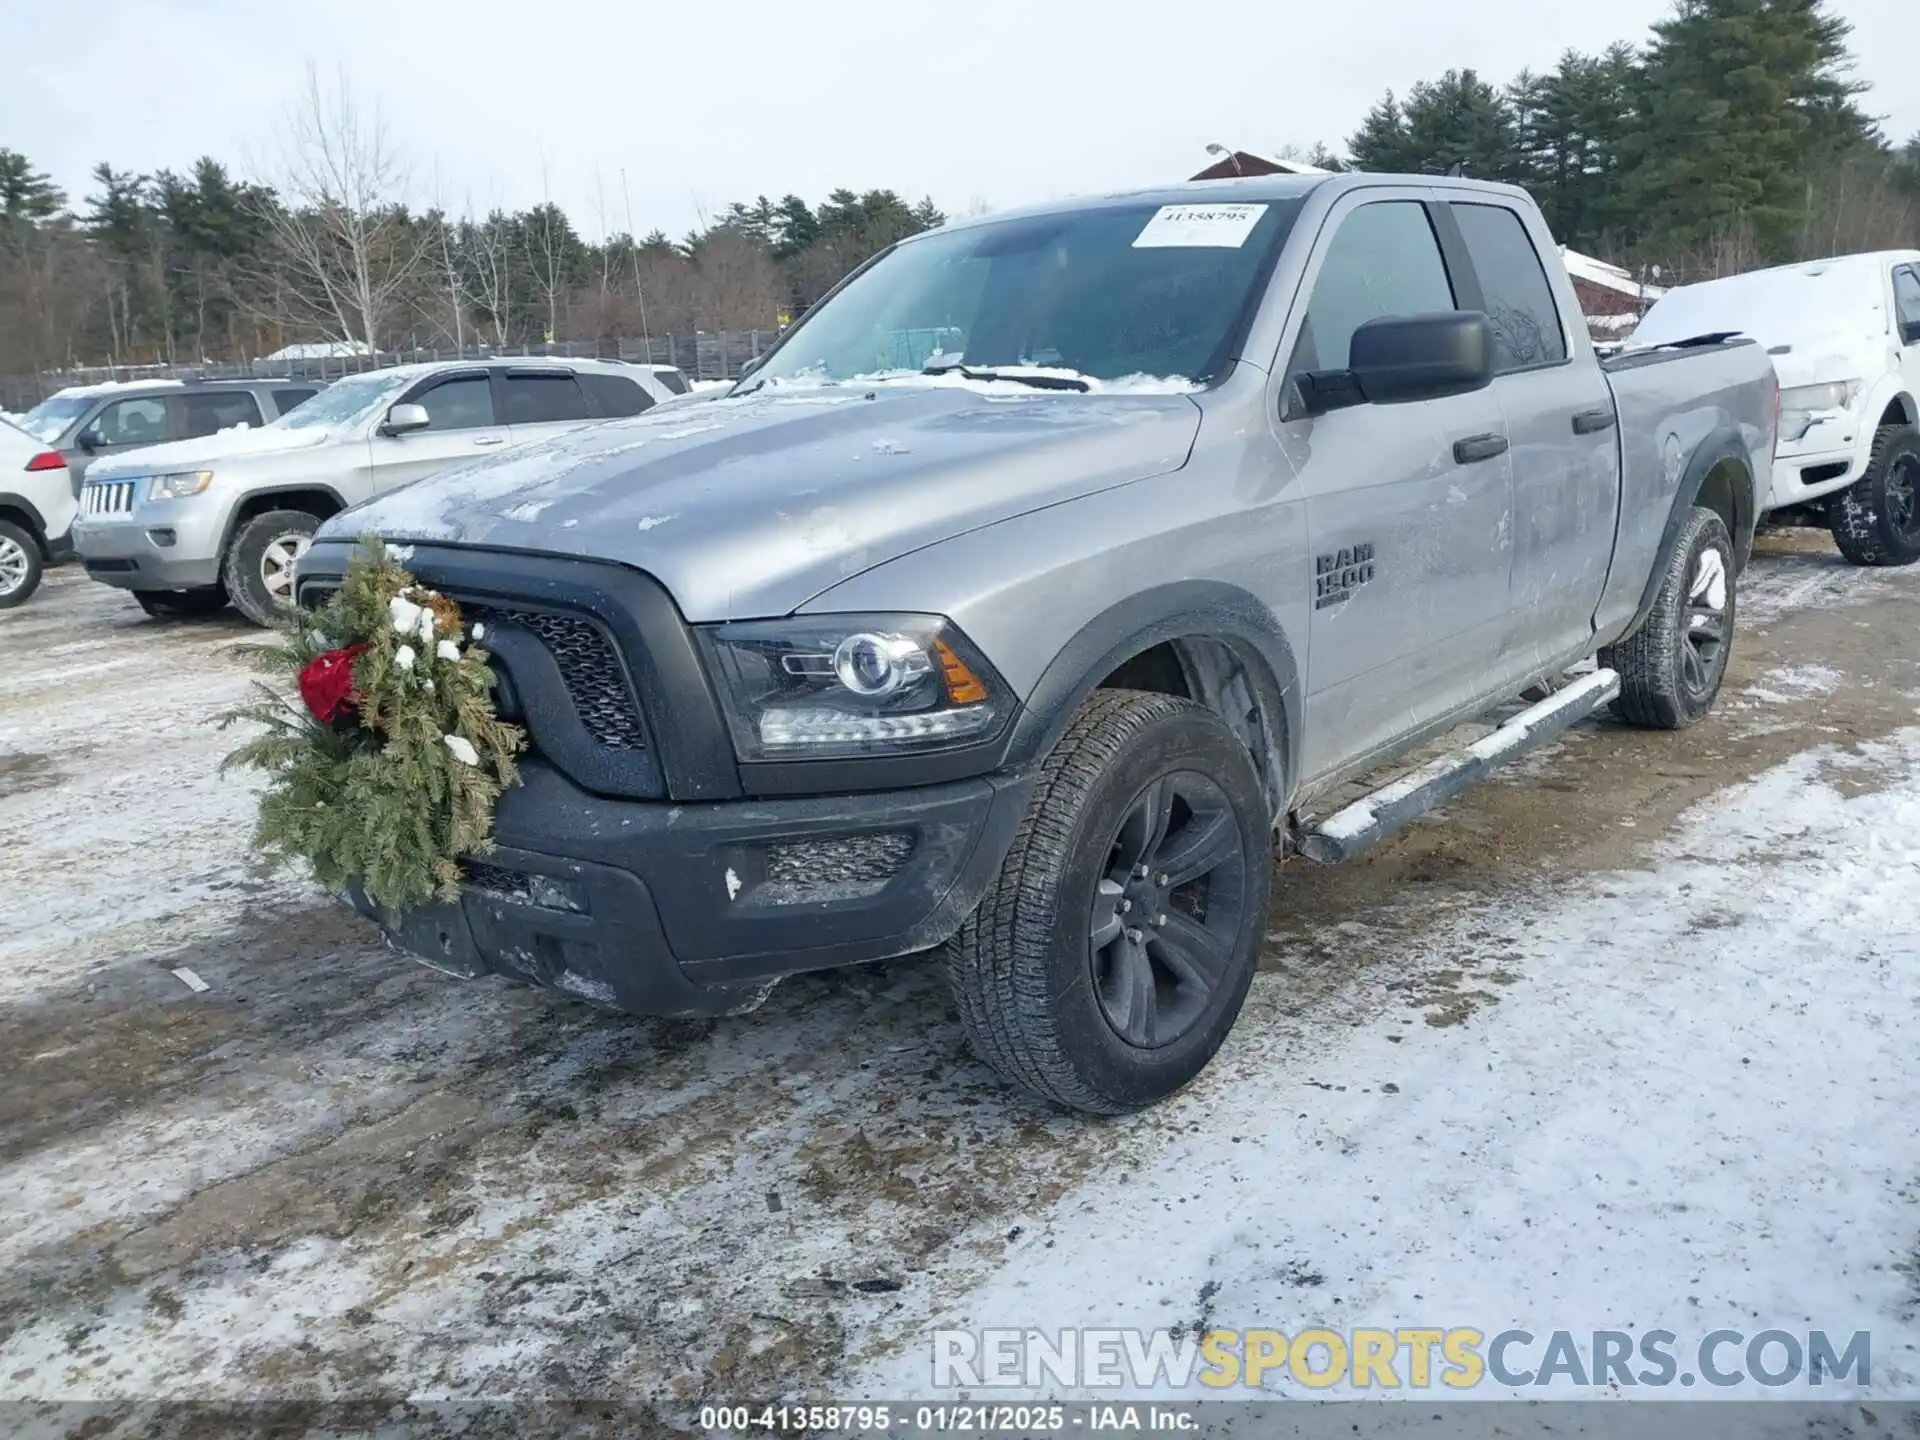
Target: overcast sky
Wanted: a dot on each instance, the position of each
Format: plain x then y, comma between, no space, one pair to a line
990,102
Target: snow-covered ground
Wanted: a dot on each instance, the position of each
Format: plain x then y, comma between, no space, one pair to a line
1620,1042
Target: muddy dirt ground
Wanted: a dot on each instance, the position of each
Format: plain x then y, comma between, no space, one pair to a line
332,1173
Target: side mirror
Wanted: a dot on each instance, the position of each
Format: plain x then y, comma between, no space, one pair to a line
1402,358
90,439
402,419
751,365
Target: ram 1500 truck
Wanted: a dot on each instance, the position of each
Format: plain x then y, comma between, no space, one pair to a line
1044,577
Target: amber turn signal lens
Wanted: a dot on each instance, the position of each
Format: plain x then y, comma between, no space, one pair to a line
963,686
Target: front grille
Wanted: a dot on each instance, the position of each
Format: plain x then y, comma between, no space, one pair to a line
107,497
846,867
595,680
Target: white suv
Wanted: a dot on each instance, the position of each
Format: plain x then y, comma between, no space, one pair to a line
1844,335
36,512
190,526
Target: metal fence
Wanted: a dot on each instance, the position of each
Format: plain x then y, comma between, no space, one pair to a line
704,355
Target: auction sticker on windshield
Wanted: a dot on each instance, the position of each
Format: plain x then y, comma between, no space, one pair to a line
1224,226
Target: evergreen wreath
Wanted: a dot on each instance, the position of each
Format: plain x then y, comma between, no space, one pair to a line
387,769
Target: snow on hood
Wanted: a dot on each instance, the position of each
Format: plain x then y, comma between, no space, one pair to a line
207,450
753,504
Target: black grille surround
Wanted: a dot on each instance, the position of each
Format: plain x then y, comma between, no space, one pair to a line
596,681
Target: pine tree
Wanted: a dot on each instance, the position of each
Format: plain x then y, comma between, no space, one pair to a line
26,193
1380,144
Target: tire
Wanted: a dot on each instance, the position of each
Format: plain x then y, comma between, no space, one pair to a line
1042,1000
262,551
179,604
1876,520
1672,666
20,565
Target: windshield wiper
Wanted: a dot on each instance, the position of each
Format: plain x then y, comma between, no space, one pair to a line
1018,377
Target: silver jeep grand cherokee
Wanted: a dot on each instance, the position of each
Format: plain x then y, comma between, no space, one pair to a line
1047,574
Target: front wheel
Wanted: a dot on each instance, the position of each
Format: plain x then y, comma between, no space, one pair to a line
1876,520
1672,666
259,565
1108,960
19,565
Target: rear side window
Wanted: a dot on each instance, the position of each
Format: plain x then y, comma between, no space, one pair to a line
1383,260
1906,294
542,399
671,380
610,396
204,411
1525,321
285,400
463,404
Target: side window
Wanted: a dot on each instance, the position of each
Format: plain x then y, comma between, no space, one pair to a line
1520,308
463,404
670,379
542,399
285,400
132,422
610,396
1906,295
1383,260
205,411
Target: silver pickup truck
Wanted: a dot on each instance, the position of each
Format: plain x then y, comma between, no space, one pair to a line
1049,574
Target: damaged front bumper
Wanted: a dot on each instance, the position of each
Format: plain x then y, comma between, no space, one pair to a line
668,909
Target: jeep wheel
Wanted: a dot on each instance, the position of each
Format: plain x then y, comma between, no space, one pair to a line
1876,520
179,604
19,565
260,561
1110,957
1671,667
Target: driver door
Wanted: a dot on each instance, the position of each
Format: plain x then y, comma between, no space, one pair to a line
117,427
461,423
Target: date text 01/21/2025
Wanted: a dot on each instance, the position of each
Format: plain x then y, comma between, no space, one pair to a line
945,1419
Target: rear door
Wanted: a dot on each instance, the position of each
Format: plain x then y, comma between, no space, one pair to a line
461,423
537,403
1407,505
207,412
1560,422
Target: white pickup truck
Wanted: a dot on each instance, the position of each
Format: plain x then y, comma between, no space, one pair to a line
1844,337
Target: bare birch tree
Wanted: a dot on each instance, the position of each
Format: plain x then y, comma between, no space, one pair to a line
340,233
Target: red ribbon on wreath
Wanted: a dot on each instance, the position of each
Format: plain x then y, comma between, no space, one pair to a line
326,684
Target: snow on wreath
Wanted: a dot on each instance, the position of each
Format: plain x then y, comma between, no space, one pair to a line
386,769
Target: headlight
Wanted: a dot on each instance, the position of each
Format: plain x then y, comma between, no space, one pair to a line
178,485
1801,404
842,685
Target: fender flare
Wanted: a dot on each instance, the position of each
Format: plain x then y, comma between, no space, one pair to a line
291,488
1721,445
1184,610
1892,387
36,522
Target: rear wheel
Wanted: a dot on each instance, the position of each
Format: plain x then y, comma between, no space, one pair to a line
1109,959
1672,666
1876,520
19,565
177,604
260,561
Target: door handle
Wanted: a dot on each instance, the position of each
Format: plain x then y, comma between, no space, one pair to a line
1478,447
490,440
1592,422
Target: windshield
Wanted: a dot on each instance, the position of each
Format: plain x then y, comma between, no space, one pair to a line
47,420
1161,291
1801,305
344,401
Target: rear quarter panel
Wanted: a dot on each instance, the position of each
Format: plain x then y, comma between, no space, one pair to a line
1670,404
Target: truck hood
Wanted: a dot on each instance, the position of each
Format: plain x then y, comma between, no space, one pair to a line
751,505
208,451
